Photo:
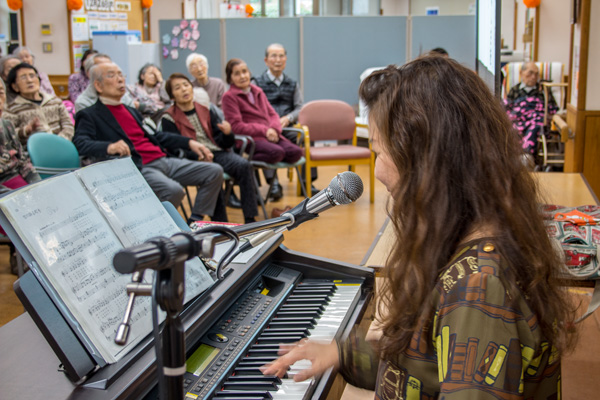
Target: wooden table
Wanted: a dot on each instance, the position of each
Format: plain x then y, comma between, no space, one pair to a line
566,189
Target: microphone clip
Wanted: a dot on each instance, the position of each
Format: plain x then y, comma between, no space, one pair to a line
299,215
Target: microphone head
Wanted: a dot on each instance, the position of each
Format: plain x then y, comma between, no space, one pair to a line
346,187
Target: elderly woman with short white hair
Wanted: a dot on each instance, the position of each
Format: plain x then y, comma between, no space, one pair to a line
26,56
197,65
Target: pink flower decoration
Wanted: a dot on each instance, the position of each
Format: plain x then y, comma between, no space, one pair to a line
176,30
174,54
183,43
183,24
187,34
192,45
195,35
194,25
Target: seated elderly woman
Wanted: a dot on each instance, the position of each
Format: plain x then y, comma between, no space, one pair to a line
79,81
525,106
6,64
197,65
191,119
150,89
26,56
249,112
15,166
33,110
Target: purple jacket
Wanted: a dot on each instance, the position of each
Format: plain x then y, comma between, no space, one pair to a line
247,118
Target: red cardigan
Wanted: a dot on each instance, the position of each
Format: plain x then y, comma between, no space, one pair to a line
185,126
247,118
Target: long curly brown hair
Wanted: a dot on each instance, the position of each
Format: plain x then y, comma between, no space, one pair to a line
460,166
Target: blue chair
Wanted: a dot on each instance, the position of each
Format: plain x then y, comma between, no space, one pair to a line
176,216
51,154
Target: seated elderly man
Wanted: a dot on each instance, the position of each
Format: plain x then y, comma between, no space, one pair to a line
89,96
110,128
525,106
197,65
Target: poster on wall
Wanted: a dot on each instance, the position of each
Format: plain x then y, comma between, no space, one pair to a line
100,5
78,50
79,28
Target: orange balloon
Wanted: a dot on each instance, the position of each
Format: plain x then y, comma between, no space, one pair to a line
74,4
146,3
532,3
15,5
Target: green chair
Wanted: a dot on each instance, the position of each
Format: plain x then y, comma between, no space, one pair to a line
51,154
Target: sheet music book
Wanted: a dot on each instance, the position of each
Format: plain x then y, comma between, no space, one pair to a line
73,224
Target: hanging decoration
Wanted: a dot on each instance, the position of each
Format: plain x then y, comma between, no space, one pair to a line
249,10
73,5
532,3
146,3
15,5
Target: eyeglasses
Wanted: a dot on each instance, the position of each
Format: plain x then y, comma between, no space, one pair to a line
112,75
195,65
26,77
277,56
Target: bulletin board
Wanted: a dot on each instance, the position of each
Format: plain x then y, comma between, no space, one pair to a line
180,38
101,15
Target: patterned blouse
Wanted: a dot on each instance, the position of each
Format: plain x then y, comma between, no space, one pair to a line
13,158
77,84
481,343
45,85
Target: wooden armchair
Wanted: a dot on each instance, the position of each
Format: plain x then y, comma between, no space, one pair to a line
333,120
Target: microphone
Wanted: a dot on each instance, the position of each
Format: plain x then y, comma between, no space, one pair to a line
344,188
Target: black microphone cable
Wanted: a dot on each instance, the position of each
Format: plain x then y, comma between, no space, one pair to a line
229,233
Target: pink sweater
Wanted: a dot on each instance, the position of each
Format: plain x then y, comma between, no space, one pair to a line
247,118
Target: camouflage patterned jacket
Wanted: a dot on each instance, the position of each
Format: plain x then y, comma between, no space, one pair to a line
480,344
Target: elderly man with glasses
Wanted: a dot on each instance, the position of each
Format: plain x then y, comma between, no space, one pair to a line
111,129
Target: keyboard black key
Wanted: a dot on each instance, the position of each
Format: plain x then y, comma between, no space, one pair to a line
294,306
279,339
249,385
294,324
254,378
243,394
285,331
313,313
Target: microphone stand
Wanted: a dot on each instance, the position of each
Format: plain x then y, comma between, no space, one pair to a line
167,256
169,296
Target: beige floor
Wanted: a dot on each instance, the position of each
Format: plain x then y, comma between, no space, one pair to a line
345,233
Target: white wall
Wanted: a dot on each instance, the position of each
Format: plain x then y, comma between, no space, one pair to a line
395,7
36,13
507,23
555,32
163,9
592,100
